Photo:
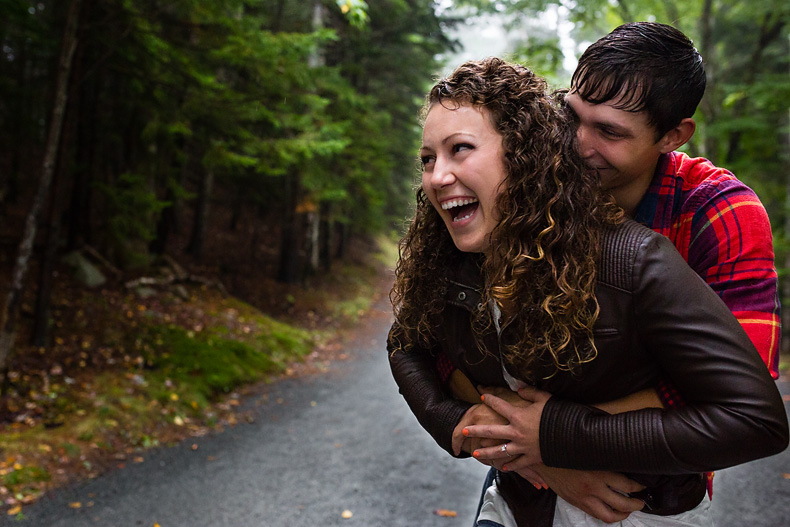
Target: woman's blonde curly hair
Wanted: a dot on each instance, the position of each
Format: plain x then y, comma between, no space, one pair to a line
541,266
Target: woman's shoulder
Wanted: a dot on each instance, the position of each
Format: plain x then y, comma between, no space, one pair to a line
621,247
627,233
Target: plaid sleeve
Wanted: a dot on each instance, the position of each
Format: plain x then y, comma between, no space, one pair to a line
444,367
731,247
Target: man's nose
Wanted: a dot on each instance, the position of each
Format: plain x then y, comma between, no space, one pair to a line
584,142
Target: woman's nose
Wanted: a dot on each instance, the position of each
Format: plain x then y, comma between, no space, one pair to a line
443,174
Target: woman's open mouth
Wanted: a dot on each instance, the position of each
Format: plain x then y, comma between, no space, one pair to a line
461,209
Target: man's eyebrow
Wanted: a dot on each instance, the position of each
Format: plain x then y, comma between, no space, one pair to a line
624,130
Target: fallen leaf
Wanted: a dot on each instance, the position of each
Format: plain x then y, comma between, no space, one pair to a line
786,475
347,514
446,513
15,510
75,504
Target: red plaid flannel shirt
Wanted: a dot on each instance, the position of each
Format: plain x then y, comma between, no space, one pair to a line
722,230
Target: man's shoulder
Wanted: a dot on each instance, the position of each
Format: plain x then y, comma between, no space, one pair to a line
701,173
699,184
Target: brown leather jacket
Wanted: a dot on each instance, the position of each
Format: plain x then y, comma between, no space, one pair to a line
658,318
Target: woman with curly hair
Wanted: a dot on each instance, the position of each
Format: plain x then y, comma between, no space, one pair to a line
521,272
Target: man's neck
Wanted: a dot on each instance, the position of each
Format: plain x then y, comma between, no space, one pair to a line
629,197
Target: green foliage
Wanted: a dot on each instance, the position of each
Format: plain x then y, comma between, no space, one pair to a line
274,98
25,475
207,364
355,10
133,208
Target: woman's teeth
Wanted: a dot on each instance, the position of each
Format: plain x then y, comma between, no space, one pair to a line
460,209
462,218
447,205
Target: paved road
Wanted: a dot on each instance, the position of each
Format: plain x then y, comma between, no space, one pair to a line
342,440
756,494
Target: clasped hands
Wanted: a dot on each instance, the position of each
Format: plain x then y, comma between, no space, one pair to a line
506,418
512,418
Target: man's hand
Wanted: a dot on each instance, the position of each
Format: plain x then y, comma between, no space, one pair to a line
478,414
522,446
598,493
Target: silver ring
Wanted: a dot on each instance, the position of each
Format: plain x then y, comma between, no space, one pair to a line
503,448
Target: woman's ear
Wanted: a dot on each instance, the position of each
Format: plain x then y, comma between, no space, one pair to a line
677,136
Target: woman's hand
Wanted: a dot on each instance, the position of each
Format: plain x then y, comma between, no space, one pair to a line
521,435
478,414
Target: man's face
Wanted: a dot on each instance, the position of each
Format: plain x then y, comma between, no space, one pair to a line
620,145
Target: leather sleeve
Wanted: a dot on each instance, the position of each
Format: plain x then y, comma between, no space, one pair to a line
418,381
733,411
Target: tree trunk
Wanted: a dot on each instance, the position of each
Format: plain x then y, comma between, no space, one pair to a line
325,240
707,106
342,241
770,31
200,226
314,220
41,327
78,224
290,269
292,231
785,290
786,279
164,225
22,266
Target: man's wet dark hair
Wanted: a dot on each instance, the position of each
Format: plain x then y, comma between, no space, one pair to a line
643,66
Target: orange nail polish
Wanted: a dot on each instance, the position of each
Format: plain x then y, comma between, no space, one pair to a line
465,432
504,468
537,486
483,398
476,454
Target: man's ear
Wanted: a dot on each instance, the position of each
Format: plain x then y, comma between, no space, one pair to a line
678,136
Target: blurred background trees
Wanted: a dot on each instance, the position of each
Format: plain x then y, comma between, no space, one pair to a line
294,122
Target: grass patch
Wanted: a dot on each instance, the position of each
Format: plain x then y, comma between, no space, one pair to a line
24,476
208,363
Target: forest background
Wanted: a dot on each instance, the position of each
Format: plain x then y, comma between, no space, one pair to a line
193,194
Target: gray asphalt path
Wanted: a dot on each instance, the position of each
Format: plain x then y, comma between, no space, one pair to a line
324,444
341,440
756,494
